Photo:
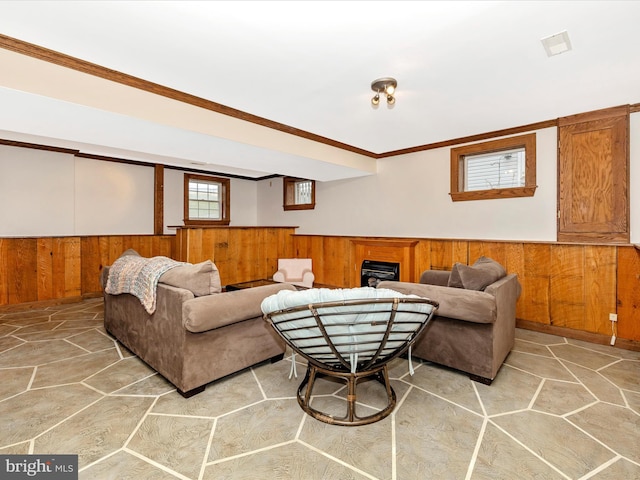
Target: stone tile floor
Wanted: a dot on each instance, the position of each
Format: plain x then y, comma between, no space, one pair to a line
559,409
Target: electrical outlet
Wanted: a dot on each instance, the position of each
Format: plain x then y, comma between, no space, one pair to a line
613,317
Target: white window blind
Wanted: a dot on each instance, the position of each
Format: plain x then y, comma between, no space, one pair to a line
303,192
487,171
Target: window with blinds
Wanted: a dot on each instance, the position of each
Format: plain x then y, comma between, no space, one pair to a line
299,194
494,170
503,168
303,192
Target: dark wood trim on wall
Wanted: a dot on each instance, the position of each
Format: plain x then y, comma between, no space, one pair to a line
67,61
473,138
35,146
158,200
91,156
77,153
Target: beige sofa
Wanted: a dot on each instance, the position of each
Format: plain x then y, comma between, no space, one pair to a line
192,339
474,328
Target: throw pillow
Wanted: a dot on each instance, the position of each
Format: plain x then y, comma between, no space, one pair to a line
481,274
201,279
130,251
454,278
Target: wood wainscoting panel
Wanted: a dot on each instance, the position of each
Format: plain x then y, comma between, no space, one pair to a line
97,252
423,258
240,253
334,265
494,250
444,253
330,257
49,268
583,286
600,287
628,292
4,271
71,253
534,303
95,255
567,286
22,280
564,287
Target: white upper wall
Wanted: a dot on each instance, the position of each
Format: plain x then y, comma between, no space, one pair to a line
409,197
44,193
244,201
36,193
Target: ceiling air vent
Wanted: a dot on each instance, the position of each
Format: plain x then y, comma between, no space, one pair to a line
556,44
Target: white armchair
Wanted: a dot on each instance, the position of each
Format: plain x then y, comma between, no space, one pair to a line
296,271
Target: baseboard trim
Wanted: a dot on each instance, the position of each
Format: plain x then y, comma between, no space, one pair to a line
590,337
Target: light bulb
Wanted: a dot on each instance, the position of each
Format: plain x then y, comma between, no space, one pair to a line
376,99
391,99
390,89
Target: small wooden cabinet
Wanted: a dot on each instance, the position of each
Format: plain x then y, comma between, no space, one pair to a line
593,176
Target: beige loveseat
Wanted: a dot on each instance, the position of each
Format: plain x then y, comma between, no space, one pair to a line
196,334
474,327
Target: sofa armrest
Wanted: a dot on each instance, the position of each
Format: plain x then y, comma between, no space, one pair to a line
104,275
458,303
279,276
435,277
506,292
308,277
507,286
214,311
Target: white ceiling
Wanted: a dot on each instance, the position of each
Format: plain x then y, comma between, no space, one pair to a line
463,68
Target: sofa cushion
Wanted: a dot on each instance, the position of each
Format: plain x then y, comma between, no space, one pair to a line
435,277
200,278
454,278
215,311
459,303
478,276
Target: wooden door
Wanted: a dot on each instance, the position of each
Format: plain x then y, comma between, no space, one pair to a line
593,176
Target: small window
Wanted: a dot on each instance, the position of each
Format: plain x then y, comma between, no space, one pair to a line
206,200
299,194
503,168
486,171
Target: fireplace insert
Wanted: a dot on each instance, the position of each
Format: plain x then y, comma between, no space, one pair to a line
373,272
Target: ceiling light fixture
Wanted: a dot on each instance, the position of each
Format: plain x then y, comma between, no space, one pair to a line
386,86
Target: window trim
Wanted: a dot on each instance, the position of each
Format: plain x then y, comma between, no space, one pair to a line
528,142
226,200
288,189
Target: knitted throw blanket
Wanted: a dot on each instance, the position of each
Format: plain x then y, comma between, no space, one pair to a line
138,276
